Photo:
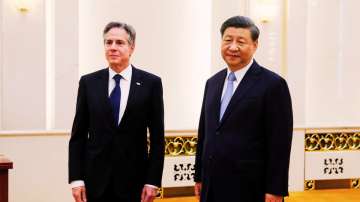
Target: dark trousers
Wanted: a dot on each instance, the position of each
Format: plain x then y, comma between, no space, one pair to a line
212,197
110,195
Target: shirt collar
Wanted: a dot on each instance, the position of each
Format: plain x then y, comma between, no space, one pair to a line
239,74
125,73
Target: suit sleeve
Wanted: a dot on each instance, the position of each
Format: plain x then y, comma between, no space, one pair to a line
78,135
200,142
279,128
156,130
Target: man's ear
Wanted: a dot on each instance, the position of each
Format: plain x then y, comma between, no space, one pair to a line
256,43
132,47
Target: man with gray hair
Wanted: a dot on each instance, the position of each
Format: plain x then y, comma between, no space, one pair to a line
246,123
109,159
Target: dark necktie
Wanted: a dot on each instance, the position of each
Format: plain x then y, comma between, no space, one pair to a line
115,97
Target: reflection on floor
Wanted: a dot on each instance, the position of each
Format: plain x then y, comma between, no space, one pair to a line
335,195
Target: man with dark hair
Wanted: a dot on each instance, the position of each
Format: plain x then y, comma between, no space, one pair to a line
245,129
108,155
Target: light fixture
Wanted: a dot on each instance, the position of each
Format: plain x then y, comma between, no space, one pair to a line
22,5
266,10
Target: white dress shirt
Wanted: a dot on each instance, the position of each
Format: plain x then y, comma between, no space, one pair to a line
239,74
125,82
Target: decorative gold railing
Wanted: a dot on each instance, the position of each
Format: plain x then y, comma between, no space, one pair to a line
183,142
311,184
177,145
332,139
355,183
335,139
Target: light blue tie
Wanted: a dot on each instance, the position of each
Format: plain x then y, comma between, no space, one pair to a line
228,93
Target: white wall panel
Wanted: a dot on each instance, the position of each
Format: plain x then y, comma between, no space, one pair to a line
296,58
297,159
332,165
23,67
39,167
179,171
66,62
350,65
1,61
269,52
332,68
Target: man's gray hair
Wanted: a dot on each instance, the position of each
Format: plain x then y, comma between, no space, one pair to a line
128,28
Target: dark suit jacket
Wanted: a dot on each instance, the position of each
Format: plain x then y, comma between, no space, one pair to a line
246,154
100,151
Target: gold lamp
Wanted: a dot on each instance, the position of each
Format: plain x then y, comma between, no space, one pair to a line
22,5
266,10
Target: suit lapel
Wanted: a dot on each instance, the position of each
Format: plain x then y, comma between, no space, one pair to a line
246,83
104,96
136,82
219,85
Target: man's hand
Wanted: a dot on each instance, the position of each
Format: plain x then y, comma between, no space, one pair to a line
148,194
273,198
197,189
79,194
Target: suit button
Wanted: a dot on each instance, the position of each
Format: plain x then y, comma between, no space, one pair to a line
210,157
217,133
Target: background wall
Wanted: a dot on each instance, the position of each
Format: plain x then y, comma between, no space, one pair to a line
1,62
44,52
332,95
296,58
23,67
40,166
66,62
